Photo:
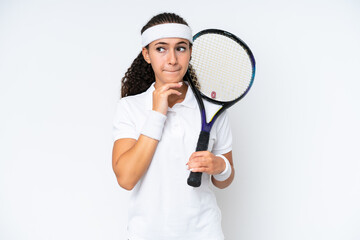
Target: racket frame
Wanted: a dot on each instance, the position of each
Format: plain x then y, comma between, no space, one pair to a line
194,179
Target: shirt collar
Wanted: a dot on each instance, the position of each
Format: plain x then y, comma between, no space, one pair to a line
149,92
189,100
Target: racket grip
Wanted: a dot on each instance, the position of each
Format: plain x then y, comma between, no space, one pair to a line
203,142
194,179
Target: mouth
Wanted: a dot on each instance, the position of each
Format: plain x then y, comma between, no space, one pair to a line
172,71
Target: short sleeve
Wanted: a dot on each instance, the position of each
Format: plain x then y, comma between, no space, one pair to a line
223,142
123,126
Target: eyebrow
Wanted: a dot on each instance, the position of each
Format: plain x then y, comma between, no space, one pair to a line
164,43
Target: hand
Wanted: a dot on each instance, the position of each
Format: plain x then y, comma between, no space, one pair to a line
205,161
161,94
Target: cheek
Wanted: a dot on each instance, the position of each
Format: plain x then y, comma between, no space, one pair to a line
155,64
185,59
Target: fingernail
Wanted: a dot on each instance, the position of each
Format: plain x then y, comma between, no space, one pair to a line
180,83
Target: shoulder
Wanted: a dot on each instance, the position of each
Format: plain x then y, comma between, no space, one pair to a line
134,99
130,115
134,102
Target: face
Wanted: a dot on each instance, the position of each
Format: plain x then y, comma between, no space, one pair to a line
169,58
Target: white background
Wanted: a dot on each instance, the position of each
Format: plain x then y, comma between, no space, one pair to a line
296,134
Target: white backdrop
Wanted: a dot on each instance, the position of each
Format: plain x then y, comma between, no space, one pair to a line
296,134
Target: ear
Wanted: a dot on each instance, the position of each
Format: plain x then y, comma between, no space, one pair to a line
145,54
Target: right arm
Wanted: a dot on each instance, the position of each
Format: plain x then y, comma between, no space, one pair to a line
131,158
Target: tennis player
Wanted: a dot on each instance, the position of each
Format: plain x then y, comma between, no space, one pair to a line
156,127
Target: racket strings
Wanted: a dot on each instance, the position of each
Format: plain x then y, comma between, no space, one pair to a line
223,67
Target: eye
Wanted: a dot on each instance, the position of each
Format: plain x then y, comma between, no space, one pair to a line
181,49
160,49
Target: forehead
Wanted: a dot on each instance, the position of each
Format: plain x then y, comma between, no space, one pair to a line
170,41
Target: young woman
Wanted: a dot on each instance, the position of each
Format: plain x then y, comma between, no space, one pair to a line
156,128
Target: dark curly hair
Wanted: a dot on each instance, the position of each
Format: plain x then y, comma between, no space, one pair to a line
140,74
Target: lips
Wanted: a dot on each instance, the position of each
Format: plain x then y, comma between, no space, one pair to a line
172,71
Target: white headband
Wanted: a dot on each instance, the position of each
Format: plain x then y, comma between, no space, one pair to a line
167,30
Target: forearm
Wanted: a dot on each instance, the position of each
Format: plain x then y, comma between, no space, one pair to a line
220,180
130,166
226,183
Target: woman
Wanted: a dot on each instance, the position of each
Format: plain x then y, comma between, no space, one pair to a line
156,127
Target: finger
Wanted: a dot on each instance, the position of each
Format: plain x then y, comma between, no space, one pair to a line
199,169
168,86
171,92
207,167
198,163
201,156
195,160
166,93
198,154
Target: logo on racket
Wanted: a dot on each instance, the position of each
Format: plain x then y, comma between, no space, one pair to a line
213,94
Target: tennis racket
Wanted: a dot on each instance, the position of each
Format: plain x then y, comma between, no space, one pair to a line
224,67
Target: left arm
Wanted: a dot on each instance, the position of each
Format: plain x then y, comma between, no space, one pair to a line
205,161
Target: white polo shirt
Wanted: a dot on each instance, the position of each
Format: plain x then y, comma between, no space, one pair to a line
162,205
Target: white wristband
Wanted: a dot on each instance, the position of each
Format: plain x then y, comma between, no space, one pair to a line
226,173
154,125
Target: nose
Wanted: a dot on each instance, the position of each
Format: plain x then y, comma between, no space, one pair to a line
172,58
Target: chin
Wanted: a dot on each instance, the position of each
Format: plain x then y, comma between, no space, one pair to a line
173,79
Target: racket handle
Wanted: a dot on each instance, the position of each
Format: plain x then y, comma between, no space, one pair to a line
194,179
203,142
